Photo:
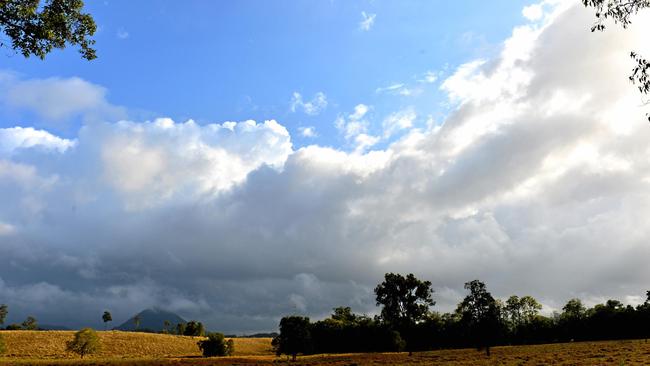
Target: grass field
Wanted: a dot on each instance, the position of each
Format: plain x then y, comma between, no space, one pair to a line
124,348
23,344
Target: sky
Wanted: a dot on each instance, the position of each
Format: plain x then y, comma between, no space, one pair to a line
236,162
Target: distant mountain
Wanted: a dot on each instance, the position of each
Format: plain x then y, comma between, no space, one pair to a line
152,320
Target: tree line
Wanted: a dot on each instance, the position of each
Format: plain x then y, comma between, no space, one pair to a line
406,322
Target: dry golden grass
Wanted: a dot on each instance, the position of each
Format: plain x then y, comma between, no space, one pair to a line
115,344
579,353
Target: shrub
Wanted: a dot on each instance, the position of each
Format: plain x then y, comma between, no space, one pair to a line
3,347
85,342
216,345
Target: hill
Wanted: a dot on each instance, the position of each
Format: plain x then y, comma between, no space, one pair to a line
50,345
151,320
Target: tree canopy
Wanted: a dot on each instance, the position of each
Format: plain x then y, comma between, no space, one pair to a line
35,27
405,300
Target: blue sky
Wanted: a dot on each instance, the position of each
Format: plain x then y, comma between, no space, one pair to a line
498,140
220,61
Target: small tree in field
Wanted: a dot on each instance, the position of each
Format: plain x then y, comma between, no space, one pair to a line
107,317
85,342
30,323
216,345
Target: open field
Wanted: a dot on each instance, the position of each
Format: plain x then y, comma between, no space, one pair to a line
23,344
141,348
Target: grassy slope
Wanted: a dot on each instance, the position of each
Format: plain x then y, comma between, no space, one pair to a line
116,344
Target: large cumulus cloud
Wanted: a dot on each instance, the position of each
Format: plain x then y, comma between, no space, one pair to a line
537,183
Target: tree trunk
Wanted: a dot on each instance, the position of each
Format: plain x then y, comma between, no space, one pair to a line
487,350
293,358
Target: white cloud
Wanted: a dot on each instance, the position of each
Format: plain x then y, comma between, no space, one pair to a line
367,22
57,99
14,139
162,158
308,131
399,121
313,107
429,77
354,128
533,12
399,89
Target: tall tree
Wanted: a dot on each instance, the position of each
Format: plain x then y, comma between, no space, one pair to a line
36,27
295,336
107,317
621,12
136,321
481,314
3,313
405,300
30,323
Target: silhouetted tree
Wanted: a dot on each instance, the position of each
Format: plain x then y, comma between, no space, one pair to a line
405,301
3,313
481,315
107,317
36,27
216,345
85,342
30,323
295,336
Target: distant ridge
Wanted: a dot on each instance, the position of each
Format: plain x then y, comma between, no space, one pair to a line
152,320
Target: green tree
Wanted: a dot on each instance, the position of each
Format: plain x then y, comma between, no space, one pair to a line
621,12
85,342
3,313
216,345
180,328
405,300
481,314
344,314
107,317
194,329
136,321
295,336
36,27
574,309
30,323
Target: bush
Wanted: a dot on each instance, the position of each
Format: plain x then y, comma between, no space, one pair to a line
3,346
85,342
216,345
